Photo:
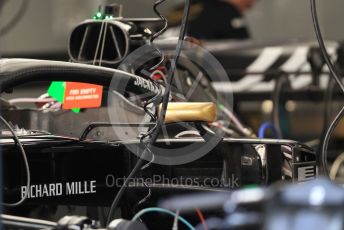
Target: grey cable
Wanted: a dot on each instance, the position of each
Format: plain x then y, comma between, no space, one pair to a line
338,80
336,166
16,18
21,201
98,43
103,43
26,223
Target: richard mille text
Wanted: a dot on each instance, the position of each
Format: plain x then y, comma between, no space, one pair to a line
59,189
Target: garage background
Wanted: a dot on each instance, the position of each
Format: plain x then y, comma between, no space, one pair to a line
45,25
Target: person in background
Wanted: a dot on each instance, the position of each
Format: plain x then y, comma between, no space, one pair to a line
214,19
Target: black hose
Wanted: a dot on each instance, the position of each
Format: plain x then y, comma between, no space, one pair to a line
321,42
161,118
334,74
282,81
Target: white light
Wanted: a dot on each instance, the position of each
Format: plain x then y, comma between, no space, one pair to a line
317,196
290,106
267,106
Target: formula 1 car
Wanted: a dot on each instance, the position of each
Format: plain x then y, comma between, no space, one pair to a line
82,157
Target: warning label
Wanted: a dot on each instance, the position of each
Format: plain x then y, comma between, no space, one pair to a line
82,95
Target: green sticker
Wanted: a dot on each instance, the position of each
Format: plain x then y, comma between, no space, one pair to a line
56,90
76,110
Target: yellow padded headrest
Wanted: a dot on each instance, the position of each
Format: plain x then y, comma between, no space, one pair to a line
190,111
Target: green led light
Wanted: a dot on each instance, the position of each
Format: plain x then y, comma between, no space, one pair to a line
99,15
251,186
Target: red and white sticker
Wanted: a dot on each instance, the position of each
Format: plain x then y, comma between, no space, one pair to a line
82,95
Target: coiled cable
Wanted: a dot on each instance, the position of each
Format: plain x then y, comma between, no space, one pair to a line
157,34
335,75
165,99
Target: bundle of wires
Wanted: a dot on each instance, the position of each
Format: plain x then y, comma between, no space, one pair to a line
337,78
165,99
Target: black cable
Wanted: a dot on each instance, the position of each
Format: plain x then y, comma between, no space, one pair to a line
21,201
15,19
2,3
327,110
161,118
327,139
334,74
157,34
149,194
327,102
154,101
321,42
281,82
